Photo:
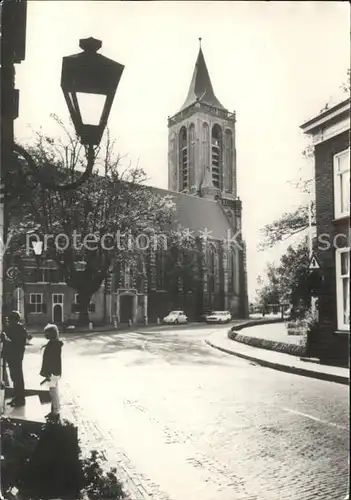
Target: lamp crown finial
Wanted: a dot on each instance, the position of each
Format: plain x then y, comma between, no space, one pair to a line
90,44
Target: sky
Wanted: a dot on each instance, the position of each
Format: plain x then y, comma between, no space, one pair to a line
274,63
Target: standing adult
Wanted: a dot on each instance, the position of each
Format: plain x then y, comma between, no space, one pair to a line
15,338
5,376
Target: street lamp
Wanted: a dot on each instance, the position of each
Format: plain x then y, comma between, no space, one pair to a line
89,82
86,77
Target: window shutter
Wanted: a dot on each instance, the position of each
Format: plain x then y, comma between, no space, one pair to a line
44,308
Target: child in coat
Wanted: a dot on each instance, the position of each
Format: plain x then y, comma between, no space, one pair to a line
51,368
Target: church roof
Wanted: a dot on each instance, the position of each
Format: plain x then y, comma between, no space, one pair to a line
198,214
200,86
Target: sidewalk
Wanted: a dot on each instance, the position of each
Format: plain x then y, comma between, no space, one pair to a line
36,332
39,330
278,361
91,436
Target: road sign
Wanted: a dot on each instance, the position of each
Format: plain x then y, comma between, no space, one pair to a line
314,264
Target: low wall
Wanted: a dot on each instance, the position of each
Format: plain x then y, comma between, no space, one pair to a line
295,350
255,322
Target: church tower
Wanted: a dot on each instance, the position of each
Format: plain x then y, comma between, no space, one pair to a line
201,152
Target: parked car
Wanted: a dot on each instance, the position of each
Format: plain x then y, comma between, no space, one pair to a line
175,317
219,317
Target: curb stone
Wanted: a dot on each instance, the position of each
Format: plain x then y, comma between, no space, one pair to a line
268,345
329,377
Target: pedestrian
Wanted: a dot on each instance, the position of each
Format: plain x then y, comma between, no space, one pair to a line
5,376
51,368
14,338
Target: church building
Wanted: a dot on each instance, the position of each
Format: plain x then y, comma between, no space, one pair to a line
202,183
203,186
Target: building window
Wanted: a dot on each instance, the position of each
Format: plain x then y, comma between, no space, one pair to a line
188,268
36,305
46,275
229,160
140,276
75,305
57,298
118,276
205,145
191,155
128,276
342,184
216,155
343,287
160,269
173,157
183,150
231,271
211,270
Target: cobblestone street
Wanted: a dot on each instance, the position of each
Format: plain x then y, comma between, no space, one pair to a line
184,421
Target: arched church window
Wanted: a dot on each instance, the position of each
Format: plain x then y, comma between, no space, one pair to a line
205,145
237,274
211,268
183,156
160,268
188,268
231,270
128,276
140,275
216,156
228,139
173,155
118,275
191,154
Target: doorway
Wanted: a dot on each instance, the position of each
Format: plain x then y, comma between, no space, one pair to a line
57,308
126,308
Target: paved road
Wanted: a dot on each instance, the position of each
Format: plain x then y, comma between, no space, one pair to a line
191,423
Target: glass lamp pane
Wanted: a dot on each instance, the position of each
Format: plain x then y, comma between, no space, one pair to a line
91,107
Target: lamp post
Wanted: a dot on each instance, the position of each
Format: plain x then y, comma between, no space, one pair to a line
89,82
314,300
87,73
87,79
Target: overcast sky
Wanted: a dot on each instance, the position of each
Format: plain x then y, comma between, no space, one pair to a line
274,63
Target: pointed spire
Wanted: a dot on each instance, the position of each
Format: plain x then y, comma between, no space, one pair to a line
201,87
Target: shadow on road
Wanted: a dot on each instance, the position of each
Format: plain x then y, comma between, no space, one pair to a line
174,348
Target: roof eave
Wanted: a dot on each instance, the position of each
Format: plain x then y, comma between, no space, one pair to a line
336,112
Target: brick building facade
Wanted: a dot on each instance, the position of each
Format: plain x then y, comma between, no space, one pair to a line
330,132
